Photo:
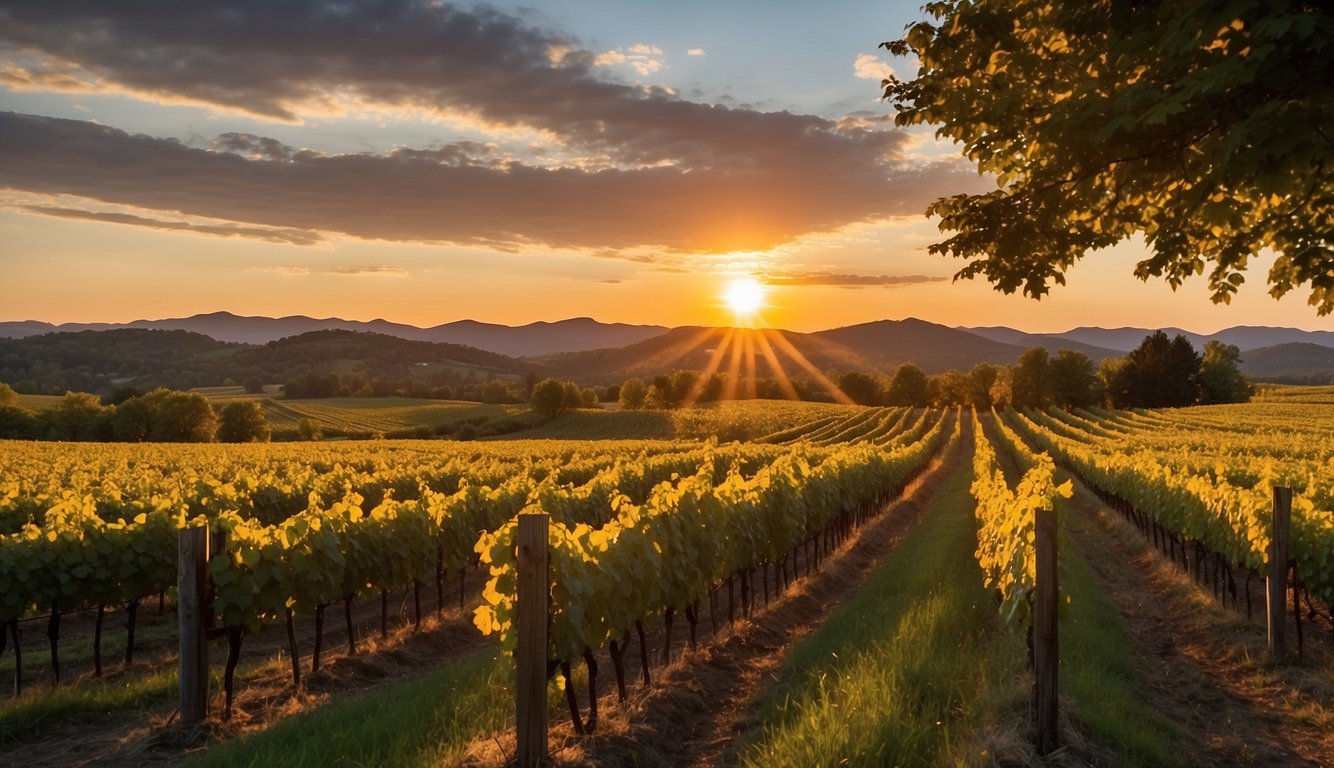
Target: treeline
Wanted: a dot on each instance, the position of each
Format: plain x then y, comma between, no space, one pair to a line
162,415
361,384
1159,373
104,361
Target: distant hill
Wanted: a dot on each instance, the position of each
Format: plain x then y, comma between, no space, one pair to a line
539,338
882,345
1291,363
1051,342
1107,342
100,361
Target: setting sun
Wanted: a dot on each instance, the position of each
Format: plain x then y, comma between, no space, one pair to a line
745,296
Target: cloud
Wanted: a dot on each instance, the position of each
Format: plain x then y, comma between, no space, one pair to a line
285,270
869,67
612,281
622,166
375,271
276,235
363,271
849,280
644,59
695,52
412,198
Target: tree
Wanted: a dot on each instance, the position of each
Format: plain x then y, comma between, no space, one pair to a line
8,397
1114,379
549,397
1220,378
908,387
1160,373
307,429
949,388
861,387
655,399
79,416
1002,388
1030,381
1074,380
977,388
1201,126
242,421
632,394
254,385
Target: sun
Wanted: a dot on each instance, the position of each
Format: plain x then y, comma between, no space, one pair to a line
745,295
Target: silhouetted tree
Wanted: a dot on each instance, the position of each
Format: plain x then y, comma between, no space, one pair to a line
1073,380
908,387
548,397
978,386
861,387
1221,380
632,394
242,421
1031,379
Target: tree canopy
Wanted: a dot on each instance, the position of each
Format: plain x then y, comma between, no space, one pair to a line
1202,126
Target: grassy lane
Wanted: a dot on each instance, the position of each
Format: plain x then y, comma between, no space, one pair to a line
1099,682
913,670
426,721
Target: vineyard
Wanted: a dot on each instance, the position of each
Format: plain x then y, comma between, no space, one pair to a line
662,547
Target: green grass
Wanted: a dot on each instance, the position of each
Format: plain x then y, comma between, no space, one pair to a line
426,721
32,716
1098,675
909,670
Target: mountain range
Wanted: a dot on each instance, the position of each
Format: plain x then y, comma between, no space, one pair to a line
592,352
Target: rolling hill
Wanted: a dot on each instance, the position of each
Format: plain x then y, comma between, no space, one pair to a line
575,334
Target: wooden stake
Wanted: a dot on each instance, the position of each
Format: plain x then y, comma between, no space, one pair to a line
531,655
1276,570
191,581
1046,648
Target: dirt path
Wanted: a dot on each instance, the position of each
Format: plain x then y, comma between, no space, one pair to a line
700,703
1203,666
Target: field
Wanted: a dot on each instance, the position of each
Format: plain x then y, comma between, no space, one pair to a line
751,583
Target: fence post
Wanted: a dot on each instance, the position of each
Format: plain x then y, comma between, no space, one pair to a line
531,655
1276,571
191,581
1046,648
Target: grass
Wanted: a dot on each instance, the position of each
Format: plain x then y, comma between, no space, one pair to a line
1098,676
31,717
426,721
602,425
910,670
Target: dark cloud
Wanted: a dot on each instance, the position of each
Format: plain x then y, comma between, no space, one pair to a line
405,199
630,166
849,281
293,236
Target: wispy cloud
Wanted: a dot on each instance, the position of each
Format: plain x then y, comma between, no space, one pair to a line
272,234
373,271
695,52
849,280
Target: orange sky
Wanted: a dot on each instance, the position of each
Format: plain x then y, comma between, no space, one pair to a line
518,166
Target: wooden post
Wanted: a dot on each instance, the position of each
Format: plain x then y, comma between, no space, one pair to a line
191,581
531,655
1046,648
1276,570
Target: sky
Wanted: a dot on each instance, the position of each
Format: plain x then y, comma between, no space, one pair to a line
424,162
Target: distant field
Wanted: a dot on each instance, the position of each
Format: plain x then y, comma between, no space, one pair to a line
1285,393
